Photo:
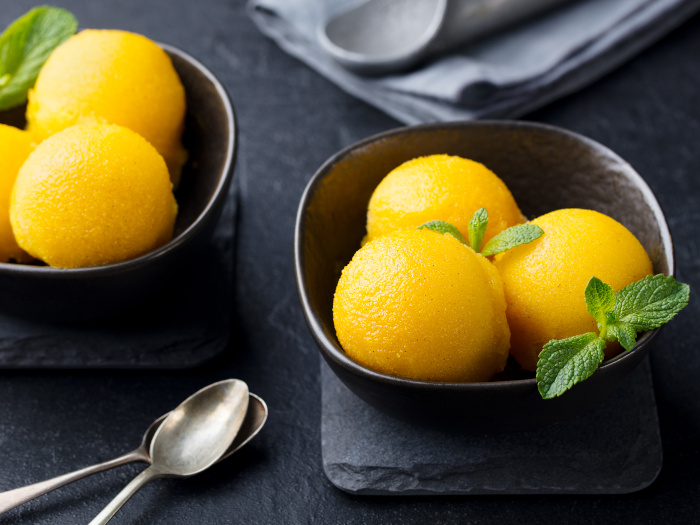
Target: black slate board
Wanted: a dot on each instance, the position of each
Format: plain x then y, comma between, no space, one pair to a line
186,326
613,449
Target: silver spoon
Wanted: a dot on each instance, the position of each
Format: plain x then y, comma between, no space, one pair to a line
254,420
192,438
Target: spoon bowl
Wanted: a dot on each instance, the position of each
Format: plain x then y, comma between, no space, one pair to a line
192,437
254,420
197,433
380,36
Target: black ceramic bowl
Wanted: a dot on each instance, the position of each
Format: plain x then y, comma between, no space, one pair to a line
546,168
52,294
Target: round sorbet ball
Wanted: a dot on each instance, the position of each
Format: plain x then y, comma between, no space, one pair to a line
544,281
421,305
92,194
440,187
114,77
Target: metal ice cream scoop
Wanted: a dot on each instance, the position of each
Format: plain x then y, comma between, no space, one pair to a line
385,36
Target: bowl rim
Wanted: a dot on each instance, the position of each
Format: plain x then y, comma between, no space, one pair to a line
339,358
50,272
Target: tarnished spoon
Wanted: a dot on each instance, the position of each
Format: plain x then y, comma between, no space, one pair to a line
192,438
254,420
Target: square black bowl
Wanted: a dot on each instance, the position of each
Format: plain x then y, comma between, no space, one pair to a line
546,168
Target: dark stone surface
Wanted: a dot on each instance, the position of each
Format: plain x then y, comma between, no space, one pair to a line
367,453
291,120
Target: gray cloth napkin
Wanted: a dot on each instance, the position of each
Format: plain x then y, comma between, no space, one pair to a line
504,76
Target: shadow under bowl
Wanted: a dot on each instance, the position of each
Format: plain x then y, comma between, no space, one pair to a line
74,295
546,168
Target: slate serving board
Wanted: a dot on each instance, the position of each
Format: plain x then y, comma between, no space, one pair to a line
186,326
612,449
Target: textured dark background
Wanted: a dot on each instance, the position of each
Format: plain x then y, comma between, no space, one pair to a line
291,120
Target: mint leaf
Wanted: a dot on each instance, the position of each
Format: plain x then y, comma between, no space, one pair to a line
651,302
623,332
444,227
564,363
477,228
24,47
600,299
512,237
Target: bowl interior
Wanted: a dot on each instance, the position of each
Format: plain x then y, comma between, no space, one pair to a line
209,138
545,168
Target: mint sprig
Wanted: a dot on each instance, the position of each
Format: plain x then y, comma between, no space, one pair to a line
640,306
24,47
505,240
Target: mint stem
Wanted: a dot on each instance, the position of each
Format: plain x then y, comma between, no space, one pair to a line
603,332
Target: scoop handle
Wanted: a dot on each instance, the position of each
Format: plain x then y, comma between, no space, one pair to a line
139,481
15,497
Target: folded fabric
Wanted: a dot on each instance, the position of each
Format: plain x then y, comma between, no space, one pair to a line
503,76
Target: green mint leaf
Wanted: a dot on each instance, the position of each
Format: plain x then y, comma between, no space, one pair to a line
600,299
651,302
444,227
564,363
623,332
512,237
24,47
477,228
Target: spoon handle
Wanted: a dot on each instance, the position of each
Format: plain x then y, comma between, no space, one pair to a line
12,498
139,481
